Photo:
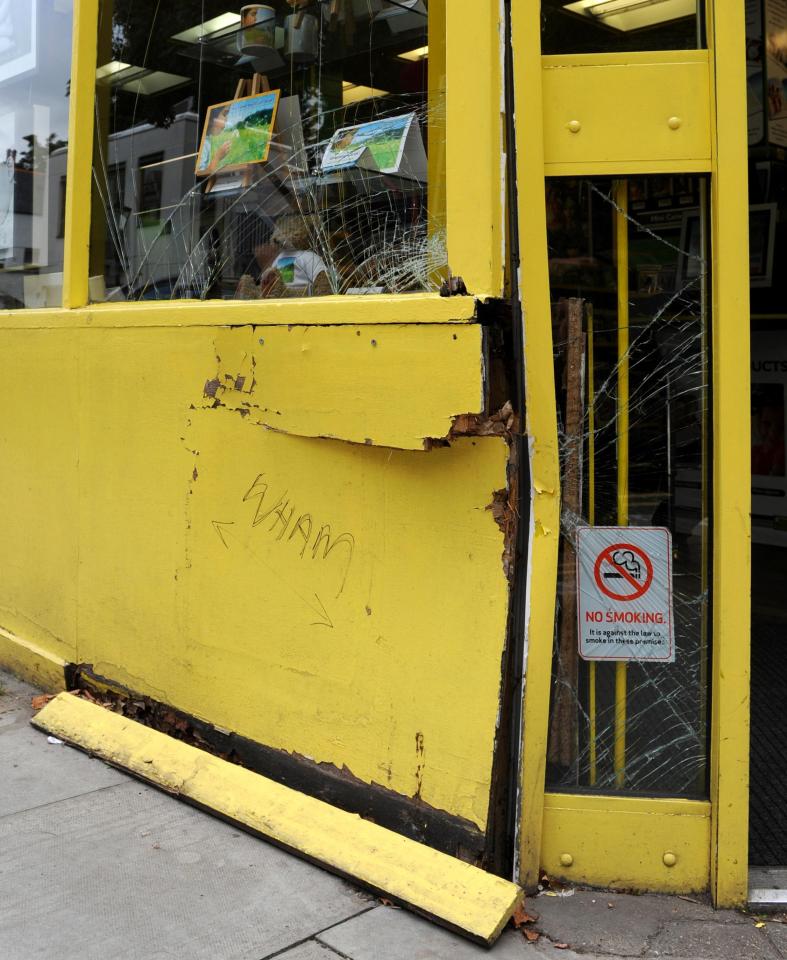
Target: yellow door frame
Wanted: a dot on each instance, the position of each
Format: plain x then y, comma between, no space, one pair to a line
567,117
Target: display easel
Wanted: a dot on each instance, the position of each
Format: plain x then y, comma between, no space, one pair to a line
247,87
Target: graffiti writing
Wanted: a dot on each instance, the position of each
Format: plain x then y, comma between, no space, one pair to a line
278,517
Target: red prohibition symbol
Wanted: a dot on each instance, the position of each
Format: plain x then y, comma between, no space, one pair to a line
623,572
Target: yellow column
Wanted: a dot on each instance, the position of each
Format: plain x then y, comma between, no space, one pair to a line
622,248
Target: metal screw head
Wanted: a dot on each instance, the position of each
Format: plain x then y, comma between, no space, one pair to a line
669,859
262,342
574,126
674,122
566,860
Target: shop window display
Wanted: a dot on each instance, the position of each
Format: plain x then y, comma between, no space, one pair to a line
291,141
35,65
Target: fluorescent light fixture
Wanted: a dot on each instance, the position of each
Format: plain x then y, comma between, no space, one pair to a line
355,92
224,21
117,72
634,14
152,83
403,15
415,55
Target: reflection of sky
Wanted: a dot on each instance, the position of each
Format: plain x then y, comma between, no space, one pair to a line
46,84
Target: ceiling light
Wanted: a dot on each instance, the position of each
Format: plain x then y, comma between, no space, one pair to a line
355,92
415,55
403,15
634,14
152,83
117,72
224,21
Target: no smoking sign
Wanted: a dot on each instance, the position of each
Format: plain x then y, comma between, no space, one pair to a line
624,586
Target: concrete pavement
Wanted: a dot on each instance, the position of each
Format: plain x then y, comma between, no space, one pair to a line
97,866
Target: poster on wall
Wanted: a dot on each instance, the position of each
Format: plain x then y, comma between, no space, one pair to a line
755,85
768,467
762,237
775,31
17,37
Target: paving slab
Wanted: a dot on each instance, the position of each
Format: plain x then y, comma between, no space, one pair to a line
36,772
619,924
707,940
777,934
311,950
387,933
132,874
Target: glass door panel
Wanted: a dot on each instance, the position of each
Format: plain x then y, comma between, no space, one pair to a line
629,273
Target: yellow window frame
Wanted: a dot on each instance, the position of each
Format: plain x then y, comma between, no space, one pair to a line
711,107
473,193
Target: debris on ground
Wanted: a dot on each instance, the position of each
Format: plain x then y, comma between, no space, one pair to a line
522,920
549,887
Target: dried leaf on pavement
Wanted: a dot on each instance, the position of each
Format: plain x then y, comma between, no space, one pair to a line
532,935
521,917
37,703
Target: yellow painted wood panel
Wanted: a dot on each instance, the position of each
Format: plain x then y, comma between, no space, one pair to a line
621,842
35,664
621,112
371,638
401,309
38,489
456,894
383,385
475,171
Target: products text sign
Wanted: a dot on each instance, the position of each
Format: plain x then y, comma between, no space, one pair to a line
624,587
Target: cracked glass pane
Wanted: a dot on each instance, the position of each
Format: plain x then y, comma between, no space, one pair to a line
33,137
600,26
629,280
274,150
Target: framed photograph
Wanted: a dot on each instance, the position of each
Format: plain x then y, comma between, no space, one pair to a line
768,414
237,133
383,139
389,145
18,30
762,234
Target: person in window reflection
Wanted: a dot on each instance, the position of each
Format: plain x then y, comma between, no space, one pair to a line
288,268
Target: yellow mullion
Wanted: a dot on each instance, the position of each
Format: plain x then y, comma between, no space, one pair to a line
731,456
622,258
591,361
541,428
80,154
474,188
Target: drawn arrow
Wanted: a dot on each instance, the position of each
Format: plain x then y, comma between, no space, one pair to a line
218,524
323,617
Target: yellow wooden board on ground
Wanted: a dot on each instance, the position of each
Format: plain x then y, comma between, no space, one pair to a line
455,894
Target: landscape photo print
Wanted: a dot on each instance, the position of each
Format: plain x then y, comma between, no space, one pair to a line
237,133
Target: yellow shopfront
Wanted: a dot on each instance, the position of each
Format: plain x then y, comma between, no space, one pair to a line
328,325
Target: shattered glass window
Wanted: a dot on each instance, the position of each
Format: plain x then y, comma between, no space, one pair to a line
274,150
629,279
601,26
35,69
